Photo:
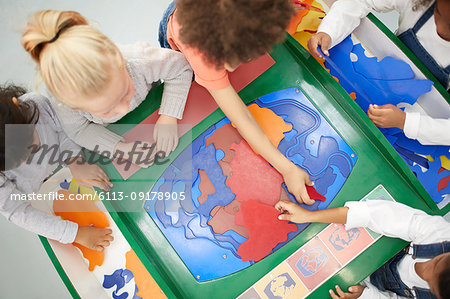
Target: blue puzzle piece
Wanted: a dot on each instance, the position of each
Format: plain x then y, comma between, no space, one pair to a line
324,181
118,279
65,185
206,160
435,151
388,68
413,157
430,180
369,91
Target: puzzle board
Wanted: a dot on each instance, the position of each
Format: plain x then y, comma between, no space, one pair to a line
226,173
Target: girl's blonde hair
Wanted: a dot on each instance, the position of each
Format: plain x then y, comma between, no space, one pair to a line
73,57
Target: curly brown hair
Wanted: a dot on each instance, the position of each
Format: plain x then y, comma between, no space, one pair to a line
233,31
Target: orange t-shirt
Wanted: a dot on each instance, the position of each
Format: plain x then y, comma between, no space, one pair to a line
206,74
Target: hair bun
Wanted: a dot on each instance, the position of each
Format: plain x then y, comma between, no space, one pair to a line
45,27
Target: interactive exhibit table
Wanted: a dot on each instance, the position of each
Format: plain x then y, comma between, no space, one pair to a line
202,224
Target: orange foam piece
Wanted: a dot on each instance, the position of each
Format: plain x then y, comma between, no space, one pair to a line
206,187
264,228
352,95
273,125
292,27
84,213
253,177
147,286
199,105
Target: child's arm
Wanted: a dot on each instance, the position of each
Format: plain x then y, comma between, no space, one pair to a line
295,213
173,69
427,130
23,214
344,16
385,217
234,108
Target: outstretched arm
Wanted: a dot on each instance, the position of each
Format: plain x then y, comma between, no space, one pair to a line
233,107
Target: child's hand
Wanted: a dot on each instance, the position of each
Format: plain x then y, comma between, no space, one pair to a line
89,175
295,180
166,134
292,212
354,292
321,39
387,116
94,238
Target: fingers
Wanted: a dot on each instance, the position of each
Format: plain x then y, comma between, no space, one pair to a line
313,43
321,39
339,291
284,206
98,248
286,217
333,295
357,289
325,45
305,197
100,184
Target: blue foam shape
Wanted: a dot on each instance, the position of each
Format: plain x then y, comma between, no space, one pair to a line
118,279
435,151
370,91
306,120
388,68
206,160
412,157
220,154
65,185
327,179
430,180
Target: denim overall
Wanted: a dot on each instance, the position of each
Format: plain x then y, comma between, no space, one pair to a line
387,278
162,35
409,38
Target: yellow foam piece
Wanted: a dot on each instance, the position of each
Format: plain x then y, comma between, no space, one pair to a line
445,162
302,38
311,21
429,158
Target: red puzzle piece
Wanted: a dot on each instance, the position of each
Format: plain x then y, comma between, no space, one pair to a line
265,229
313,194
443,183
206,187
253,177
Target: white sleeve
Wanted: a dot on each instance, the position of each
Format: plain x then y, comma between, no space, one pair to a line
427,130
21,213
397,220
345,15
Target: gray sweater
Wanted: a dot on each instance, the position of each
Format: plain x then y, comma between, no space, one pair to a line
146,65
27,178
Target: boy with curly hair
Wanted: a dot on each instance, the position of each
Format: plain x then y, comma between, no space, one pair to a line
216,36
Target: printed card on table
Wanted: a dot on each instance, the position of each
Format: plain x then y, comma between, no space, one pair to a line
313,263
281,282
345,244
